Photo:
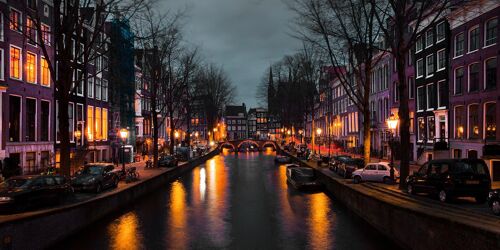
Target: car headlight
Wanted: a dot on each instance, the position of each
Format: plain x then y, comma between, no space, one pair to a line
5,199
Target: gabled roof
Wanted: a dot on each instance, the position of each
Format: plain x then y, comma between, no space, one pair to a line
232,110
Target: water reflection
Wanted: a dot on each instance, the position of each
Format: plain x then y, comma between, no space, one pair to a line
125,234
233,201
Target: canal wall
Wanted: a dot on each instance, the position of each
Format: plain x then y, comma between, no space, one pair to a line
412,222
43,229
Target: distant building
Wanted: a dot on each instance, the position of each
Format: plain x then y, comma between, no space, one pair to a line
236,122
252,123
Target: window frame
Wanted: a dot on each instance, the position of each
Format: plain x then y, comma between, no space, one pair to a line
469,74
428,104
35,68
439,94
485,73
429,31
411,87
469,127
455,81
443,51
42,58
484,119
49,117
486,32
455,128
437,32
418,99
427,75
37,124
429,140
20,25
20,63
417,43
418,73
2,65
456,55
473,28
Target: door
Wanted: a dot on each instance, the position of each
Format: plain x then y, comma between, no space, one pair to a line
369,172
420,179
382,171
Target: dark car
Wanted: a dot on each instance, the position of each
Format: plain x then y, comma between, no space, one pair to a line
95,177
33,191
452,178
337,160
494,201
349,165
168,161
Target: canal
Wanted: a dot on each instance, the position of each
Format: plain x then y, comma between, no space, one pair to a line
232,202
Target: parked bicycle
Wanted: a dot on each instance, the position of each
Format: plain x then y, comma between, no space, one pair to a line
131,175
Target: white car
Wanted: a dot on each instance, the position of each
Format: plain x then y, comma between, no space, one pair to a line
380,172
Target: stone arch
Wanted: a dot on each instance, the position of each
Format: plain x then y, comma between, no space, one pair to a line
247,141
225,144
266,143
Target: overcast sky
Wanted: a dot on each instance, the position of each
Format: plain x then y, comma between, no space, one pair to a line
244,36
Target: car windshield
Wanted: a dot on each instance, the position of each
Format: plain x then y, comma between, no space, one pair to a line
93,170
473,167
16,183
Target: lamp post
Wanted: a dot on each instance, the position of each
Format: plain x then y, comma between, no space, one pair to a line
392,123
301,132
215,131
78,135
123,135
318,132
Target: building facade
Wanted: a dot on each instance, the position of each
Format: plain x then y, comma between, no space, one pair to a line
236,122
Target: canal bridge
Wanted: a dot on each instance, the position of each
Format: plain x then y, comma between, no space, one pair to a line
260,144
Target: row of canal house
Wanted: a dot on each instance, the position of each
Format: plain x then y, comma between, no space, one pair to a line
453,83
28,125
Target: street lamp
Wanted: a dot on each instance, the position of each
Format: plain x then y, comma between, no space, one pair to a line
123,135
215,131
392,123
78,135
300,133
318,132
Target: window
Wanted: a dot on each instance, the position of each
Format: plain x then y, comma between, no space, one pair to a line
32,4
71,121
411,87
2,64
98,88
30,161
420,68
90,88
474,77
430,65
491,32
421,129
441,60
412,122
15,63
90,123
14,118
98,63
457,153
473,39
473,121
421,99
1,26
31,31
442,94
98,121
441,32
104,124
30,67
490,121
459,122
79,82
429,38
46,34
459,44
30,119
459,80
15,20
418,45
45,118
491,73
104,92
431,96
431,128
45,72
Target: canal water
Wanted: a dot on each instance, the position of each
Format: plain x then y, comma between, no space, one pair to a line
232,202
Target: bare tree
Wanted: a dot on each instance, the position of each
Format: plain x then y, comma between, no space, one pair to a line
77,32
216,90
348,33
402,21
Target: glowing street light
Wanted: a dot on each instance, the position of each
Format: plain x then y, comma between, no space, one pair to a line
123,135
318,132
392,124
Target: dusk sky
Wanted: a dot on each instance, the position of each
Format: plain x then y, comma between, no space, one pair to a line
243,36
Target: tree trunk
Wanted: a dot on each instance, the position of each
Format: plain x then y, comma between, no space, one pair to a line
64,149
404,120
366,136
172,131
155,137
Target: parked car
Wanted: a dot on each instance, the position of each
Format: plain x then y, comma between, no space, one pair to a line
494,201
349,165
337,160
168,161
302,178
33,191
95,177
379,172
452,178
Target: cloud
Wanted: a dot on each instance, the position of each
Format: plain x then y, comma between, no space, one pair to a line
244,36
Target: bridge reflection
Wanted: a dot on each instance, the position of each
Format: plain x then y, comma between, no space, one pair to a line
260,145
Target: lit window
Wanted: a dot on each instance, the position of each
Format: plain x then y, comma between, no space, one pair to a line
474,121
15,63
421,129
459,122
46,34
431,128
15,20
30,68
98,121
473,39
90,123
491,32
104,124
31,31
45,72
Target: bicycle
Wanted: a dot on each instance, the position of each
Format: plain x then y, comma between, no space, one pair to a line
131,175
